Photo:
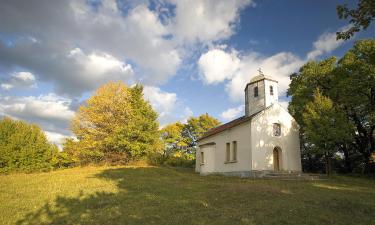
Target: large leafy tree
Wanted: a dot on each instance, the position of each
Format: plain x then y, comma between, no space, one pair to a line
326,127
360,18
350,84
196,127
24,146
115,125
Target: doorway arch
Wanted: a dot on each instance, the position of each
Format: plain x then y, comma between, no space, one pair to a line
277,159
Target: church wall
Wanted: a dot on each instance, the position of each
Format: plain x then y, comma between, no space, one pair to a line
240,134
263,141
270,99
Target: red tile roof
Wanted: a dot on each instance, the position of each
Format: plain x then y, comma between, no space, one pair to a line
226,126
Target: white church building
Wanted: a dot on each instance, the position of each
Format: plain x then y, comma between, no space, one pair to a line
265,139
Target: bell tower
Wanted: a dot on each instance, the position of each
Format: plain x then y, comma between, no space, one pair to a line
260,93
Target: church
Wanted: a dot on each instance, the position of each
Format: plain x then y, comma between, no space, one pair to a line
264,140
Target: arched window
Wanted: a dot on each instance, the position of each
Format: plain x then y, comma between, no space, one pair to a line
276,129
255,91
271,90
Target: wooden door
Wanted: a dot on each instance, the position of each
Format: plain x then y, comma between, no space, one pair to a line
276,159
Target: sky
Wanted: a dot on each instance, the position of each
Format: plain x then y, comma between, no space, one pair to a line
192,57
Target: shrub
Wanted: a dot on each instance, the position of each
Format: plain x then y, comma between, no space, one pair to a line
24,146
180,159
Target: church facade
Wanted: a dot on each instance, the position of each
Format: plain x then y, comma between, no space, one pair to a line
265,139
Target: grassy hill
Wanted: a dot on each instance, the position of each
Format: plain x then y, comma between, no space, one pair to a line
159,195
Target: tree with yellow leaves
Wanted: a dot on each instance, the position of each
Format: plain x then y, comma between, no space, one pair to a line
115,125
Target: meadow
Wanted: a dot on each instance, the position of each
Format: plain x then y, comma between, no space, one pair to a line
162,195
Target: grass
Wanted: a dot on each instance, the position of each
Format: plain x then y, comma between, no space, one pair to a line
160,195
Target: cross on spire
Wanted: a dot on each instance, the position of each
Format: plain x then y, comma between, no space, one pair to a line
260,71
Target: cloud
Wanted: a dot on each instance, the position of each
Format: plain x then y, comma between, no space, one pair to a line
326,43
56,138
232,113
216,65
168,106
50,111
19,80
209,20
49,31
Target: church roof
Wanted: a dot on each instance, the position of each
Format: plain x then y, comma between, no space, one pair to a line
229,125
261,77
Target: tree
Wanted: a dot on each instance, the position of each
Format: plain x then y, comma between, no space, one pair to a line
24,146
172,137
360,17
116,125
326,127
350,84
196,127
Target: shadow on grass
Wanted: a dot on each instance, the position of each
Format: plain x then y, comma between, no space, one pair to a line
158,195
149,195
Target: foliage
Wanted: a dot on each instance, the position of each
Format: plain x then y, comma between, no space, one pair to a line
171,135
180,141
160,195
196,127
24,146
349,84
180,159
115,126
325,127
360,18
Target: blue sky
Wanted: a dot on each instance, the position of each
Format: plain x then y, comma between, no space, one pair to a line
192,56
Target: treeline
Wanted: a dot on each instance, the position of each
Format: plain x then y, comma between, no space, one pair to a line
333,100
115,126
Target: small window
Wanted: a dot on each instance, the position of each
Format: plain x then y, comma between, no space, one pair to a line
228,152
255,91
271,90
234,151
202,157
276,129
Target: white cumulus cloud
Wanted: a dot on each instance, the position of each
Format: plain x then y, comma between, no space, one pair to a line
217,65
167,104
232,113
51,112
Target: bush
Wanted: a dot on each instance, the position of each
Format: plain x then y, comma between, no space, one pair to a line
180,159
24,146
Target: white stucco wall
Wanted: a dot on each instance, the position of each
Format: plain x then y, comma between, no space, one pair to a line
241,134
270,99
255,144
263,141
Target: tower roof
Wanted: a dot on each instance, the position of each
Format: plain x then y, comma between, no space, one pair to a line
261,77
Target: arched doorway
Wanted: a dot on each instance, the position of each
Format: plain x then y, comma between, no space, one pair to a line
277,159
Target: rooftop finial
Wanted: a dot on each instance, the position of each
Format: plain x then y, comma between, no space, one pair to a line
260,71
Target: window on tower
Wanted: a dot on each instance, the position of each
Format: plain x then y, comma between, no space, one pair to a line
255,91
271,90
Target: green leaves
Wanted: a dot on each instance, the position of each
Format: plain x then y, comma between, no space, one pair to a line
116,125
334,102
24,146
360,18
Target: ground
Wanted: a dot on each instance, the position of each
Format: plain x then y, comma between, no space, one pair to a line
160,195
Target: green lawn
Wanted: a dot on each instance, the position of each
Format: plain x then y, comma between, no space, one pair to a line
158,195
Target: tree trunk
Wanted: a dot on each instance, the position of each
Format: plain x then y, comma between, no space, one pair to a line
347,162
328,164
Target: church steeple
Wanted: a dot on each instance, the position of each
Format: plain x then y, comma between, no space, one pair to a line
260,93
